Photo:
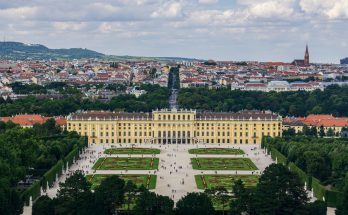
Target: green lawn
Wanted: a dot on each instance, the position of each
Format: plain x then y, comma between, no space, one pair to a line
132,151
149,181
218,151
226,181
113,163
223,164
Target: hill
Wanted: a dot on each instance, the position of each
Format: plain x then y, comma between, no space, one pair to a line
21,51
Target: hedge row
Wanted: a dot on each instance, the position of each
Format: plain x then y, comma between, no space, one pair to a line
332,198
49,177
302,175
34,191
280,157
318,189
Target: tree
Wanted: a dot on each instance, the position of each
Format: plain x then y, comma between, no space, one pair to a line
321,131
279,191
242,199
43,206
330,132
10,202
342,209
289,132
148,203
110,194
74,196
219,195
130,193
195,204
316,208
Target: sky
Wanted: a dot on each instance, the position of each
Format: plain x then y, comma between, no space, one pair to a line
258,30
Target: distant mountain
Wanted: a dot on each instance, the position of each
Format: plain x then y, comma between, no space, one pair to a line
21,51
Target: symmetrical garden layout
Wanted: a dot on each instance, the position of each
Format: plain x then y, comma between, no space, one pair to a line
223,164
230,163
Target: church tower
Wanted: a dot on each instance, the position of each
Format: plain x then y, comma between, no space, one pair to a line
306,57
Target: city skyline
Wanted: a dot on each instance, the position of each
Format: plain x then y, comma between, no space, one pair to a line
267,30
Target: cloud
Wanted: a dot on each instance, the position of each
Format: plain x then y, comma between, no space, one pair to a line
272,8
333,9
208,1
145,26
171,9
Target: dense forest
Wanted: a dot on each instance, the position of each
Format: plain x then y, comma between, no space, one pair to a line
323,158
28,152
156,97
333,100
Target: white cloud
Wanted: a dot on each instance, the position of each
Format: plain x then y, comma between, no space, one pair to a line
171,9
272,8
69,26
208,1
333,9
18,13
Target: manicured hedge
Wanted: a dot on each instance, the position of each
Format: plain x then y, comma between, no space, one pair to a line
302,175
280,157
50,175
33,191
70,157
318,189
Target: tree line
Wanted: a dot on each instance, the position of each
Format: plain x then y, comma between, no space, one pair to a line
155,98
27,153
333,100
278,192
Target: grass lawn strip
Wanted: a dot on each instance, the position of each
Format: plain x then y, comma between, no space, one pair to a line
132,151
114,163
210,181
223,164
217,151
149,181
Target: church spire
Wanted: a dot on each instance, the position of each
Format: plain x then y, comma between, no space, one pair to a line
306,57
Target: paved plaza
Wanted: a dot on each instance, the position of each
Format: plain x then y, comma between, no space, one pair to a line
175,175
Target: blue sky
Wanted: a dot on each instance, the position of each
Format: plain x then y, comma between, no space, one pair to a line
262,30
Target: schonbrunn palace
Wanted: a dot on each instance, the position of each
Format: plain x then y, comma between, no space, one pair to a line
175,126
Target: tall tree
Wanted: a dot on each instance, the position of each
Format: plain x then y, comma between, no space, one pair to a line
279,191
130,193
74,196
242,199
219,195
195,204
43,206
109,195
148,203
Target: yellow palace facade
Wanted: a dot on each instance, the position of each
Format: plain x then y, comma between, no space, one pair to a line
175,127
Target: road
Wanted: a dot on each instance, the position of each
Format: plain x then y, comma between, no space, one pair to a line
173,95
